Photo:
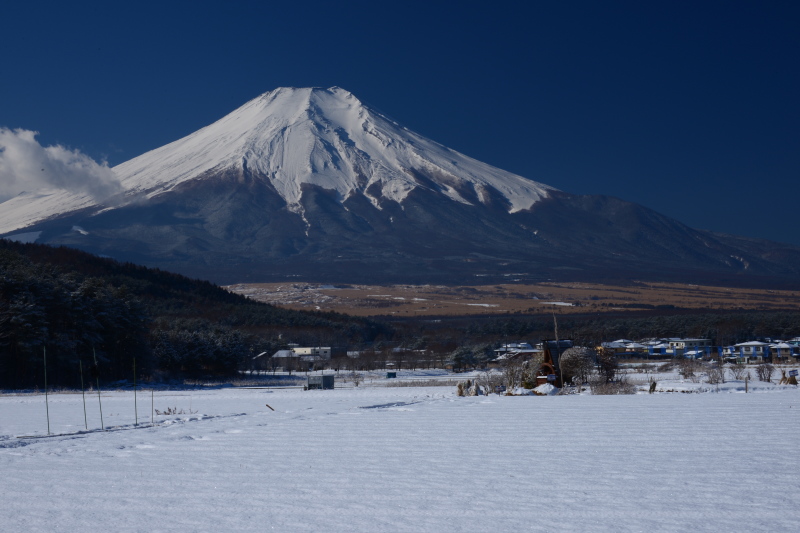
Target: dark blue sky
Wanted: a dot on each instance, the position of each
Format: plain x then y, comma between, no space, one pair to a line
689,108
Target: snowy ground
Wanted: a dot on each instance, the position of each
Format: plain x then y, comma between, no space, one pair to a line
402,459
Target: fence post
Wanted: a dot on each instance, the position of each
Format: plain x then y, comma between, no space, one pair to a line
97,368
135,406
46,403
83,393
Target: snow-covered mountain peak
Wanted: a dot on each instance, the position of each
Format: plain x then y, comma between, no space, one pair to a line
328,138
293,137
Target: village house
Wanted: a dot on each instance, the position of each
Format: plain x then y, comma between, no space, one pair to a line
284,359
512,347
313,353
625,347
784,350
515,351
745,352
656,348
679,347
555,346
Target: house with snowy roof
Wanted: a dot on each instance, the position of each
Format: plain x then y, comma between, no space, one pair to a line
617,346
745,352
515,350
679,347
658,348
313,353
625,347
512,347
784,350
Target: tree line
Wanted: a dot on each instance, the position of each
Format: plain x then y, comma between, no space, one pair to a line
78,311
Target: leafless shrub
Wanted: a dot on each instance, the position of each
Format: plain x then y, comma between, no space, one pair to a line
715,374
738,370
764,372
646,368
175,411
422,383
530,369
666,367
513,374
490,381
636,379
576,364
607,365
687,368
600,387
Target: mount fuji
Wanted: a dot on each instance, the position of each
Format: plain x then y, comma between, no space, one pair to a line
313,184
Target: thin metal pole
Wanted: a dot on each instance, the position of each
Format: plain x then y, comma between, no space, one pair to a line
558,350
135,407
46,403
151,407
97,368
83,393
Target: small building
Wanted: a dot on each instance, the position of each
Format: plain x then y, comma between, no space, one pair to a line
745,352
656,349
625,347
679,347
313,353
555,346
519,355
619,346
324,381
783,350
285,359
514,347
548,372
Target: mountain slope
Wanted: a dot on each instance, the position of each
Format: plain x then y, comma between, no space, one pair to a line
311,183
295,137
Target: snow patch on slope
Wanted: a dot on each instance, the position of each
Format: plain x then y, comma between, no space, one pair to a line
28,208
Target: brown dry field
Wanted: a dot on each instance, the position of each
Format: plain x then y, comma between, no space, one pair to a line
562,298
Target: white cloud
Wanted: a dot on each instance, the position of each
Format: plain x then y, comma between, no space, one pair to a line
25,165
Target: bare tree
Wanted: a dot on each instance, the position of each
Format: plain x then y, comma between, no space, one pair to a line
688,368
738,370
607,365
513,374
764,372
577,364
530,371
600,387
489,380
715,374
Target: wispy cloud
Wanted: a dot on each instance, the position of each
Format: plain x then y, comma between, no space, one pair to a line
26,165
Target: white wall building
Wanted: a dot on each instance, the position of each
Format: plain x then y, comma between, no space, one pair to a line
316,352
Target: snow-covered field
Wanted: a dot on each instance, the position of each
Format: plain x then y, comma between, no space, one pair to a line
402,459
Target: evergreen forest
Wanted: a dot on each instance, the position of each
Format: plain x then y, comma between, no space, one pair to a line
93,317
